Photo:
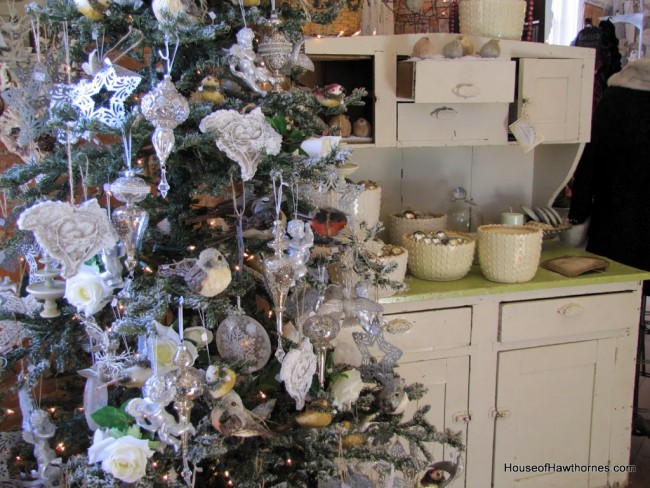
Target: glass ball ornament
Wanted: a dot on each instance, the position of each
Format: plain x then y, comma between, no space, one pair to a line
242,338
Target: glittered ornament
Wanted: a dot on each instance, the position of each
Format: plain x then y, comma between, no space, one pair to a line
275,49
298,368
242,338
165,108
130,220
321,330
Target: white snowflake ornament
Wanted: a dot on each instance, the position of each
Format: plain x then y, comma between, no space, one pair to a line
103,97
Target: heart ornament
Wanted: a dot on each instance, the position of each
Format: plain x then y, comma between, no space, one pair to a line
71,234
243,137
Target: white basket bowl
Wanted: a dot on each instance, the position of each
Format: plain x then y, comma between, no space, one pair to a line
426,222
509,253
440,262
503,19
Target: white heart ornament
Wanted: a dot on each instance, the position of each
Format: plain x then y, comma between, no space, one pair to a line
68,233
243,137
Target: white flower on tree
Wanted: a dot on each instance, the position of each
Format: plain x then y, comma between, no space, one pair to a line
87,291
124,458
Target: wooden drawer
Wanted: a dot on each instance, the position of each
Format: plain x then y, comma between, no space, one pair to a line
431,331
457,81
470,123
561,317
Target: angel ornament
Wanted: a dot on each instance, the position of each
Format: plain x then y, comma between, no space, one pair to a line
302,239
243,65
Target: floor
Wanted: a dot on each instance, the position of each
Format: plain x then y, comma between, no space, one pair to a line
640,450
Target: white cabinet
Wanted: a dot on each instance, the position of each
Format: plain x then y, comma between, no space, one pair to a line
447,381
553,406
530,374
550,95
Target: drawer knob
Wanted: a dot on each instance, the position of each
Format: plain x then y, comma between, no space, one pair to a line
444,113
570,309
466,90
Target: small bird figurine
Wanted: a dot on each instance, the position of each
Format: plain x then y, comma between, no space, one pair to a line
164,9
453,49
423,49
467,45
231,418
330,95
92,9
220,380
210,91
490,49
208,275
340,125
361,128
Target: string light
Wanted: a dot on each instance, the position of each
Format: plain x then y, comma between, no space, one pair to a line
10,411
289,462
340,34
60,447
262,395
51,409
356,33
191,247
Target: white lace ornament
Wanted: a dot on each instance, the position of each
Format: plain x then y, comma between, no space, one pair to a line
68,233
298,369
243,137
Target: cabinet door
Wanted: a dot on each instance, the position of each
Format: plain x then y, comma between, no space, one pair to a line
550,95
447,381
553,406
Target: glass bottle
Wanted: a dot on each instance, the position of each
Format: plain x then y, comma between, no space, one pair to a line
463,215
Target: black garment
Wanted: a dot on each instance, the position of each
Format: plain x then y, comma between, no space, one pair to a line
612,183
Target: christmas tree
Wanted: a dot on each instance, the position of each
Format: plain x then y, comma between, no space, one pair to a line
179,207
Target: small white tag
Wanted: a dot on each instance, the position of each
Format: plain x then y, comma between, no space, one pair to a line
527,135
212,15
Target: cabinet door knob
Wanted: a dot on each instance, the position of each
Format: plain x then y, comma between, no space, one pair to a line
570,309
459,417
466,90
499,413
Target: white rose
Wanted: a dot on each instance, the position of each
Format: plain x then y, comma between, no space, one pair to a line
196,334
162,348
87,291
124,458
346,389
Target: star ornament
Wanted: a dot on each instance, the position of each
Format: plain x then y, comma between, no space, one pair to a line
102,98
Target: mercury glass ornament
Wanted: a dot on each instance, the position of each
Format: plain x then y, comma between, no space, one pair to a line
242,338
188,382
130,221
165,108
321,330
276,50
280,272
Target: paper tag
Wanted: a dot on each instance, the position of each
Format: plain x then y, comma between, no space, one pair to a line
527,135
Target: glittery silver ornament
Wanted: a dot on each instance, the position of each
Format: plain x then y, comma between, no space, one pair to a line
130,221
276,50
321,330
242,338
165,108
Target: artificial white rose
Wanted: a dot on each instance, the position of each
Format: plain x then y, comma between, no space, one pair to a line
162,348
87,291
346,389
196,334
124,458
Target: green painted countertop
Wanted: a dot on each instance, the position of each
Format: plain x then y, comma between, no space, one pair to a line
474,284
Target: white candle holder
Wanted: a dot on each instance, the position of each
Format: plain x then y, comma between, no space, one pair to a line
49,289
